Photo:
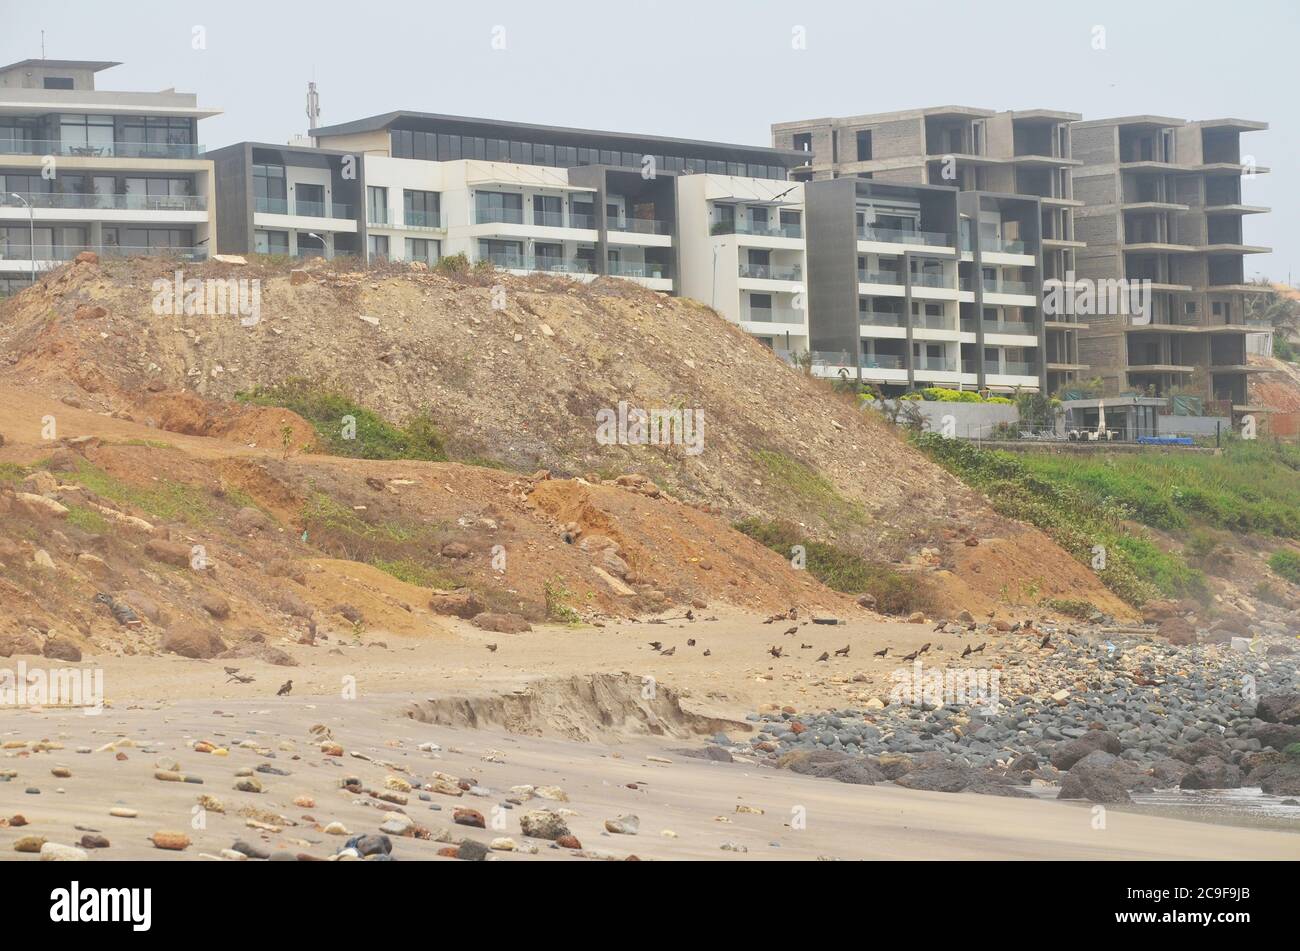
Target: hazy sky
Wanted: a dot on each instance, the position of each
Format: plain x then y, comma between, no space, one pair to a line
708,69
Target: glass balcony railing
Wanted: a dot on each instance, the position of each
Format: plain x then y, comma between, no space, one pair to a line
879,277
898,236
771,272
491,216
10,251
552,265
423,219
923,279
320,209
11,146
1010,368
581,221
774,315
999,286
271,206
1008,327
762,229
635,269
108,202
637,225
881,319
933,322
548,219
936,364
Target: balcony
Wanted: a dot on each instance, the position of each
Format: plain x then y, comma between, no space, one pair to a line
550,265
896,236
307,209
109,202
936,364
425,220
924,279
879,277
649,269
638,225
755,228
877,318
66,252
934,322
996,244
1019,327
1009,368
134,150
771,272
774,315
493,216
1000,286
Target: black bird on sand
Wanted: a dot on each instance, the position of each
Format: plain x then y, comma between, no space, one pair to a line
825,656
491,647
775,651
967,652
284,689
843,651
880,653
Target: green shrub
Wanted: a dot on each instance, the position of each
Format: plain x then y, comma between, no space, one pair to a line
846,571
1287,564
374,438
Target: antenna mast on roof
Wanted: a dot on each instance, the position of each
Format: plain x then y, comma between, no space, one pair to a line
42,44
313,107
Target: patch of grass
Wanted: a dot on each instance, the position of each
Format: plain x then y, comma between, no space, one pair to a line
87,519
1070,607
809,486
149,443
842,570
557,607
373,438
413,572
1073,515
1287,564
12,473
165,500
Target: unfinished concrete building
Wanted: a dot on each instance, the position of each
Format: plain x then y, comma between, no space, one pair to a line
1025,153
1164,201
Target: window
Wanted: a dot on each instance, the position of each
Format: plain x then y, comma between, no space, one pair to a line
269,190
155,135
582,213
423,249
309,200
378,245
377,200
421,209
550,257
499,206
86,135
803,141
864,145
58,82
506,254
548,210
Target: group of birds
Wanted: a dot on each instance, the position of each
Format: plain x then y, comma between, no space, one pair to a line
234,676
840,652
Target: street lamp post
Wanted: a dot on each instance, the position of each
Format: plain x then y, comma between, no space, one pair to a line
324,248
31,220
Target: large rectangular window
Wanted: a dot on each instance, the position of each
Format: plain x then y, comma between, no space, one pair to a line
377,200
269,190
498,206
420,209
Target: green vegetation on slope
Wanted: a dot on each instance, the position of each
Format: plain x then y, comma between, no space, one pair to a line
1287,564
842,570
1066,505
809,486
374,437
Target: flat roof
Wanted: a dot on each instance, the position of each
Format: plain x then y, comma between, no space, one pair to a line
553,135
94,65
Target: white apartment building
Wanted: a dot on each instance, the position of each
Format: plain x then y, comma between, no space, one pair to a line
743,253
119,173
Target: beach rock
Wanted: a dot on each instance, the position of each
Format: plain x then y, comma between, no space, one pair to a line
461,604
469,817
1065,755
192,642
170,841
1097,777
54,852
501,623
60,648
1281,707
1211,772
543,824
471,851
623,825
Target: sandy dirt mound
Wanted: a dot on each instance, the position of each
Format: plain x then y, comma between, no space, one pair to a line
585,708
519,384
